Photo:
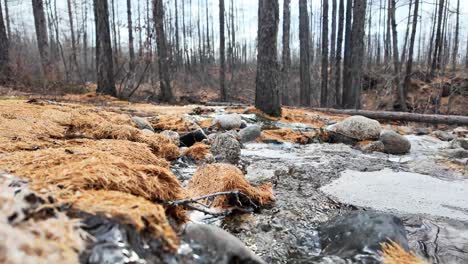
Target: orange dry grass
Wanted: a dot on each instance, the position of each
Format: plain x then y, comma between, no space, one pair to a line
225,177
394,254
198,151
62,173
174,122
205,123
136,211
286,134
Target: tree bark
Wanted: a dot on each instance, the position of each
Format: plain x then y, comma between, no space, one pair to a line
104,58
286,54
339,55
331,89
405,43
347,92
396,62
324,74
4,50
438,41
163,57
41,35
267,97
305,91
457,33
222,54
131,49
409,63
357,55
401,116
73,39
7,19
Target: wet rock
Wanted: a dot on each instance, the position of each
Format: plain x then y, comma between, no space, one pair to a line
228,122
460,132
394,143
243,124
173,136
224,247
142,123
147,131
420,131
250,133
358,232
459,143
359,128
226,148
443,135
373,146
193,137
455,153
336,137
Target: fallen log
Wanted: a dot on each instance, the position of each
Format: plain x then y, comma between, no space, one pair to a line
401,116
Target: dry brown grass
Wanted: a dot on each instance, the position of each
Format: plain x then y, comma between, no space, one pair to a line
174,122
289,135
63,173
129,209
221,177
394,254
198,152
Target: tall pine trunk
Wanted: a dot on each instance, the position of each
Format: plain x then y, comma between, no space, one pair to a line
305,92
163,56
286,55
4,49
339,52
324,74
438,39
7,19
348,46
331,91
222,54
396,62
41,35
409,63
457,33
131,49
74,55
104,58
267,97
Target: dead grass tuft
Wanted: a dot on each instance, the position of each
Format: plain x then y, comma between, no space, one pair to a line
198,152
174,122
221,177
129,209
393,253
286,134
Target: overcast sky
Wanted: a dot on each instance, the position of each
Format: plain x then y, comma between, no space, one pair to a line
21,15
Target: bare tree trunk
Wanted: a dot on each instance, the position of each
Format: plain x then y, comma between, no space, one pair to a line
114,34
131,49
339,54
163,57
4,50
324,74
396,62
347,92
387,36
466,55
267,97
104,59
222,54
286,56
7,19
438,41
41,35
331,89
357,56
409,63
405,43
457,33
305,91
73,39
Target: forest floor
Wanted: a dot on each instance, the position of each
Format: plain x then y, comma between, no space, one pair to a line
85,167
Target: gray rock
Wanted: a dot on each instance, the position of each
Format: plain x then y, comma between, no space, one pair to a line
359,128
173,136
460,131
228,122
142,123
455,153
420,131
375,146
358,232
193,137
394,143
147,131
443,135
224,247
243,124
226,148
459,143
250,133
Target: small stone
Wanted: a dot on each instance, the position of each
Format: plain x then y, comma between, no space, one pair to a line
359,128
459,143
193,137
173,136
460,132
394,143
250,133
228,122
373,146
420,131
443,135
142,123
147,131
226,148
